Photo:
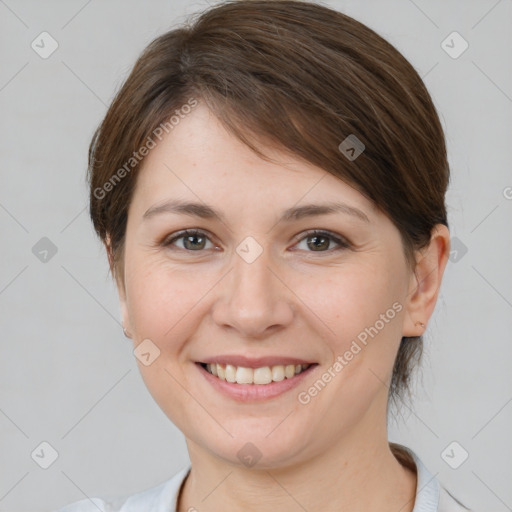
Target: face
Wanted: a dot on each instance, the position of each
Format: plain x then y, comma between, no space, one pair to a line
257,288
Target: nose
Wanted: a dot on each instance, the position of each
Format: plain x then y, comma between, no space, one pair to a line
253,299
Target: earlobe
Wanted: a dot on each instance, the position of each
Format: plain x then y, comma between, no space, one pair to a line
125,317
120,289
426,281
110,256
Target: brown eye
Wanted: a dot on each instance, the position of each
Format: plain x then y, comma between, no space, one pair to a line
193,240
316,241
320,241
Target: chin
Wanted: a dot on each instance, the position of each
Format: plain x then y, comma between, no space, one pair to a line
257,443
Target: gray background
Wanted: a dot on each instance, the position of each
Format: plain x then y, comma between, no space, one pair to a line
68,375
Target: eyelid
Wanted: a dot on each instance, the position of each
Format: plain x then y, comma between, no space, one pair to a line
169,240
340,240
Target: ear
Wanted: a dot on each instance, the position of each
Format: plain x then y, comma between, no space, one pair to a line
110,255
426,281
125,319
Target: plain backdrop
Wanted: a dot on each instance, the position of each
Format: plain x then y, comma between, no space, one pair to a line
68,376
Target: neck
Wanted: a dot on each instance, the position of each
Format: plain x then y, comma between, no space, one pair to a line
353,474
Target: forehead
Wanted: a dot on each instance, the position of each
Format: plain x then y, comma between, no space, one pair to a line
200,160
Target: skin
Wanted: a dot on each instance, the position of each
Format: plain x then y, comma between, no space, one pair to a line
329,454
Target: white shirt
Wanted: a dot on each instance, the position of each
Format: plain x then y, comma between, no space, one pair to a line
430,496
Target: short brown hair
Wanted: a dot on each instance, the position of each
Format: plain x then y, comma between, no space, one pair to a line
297,76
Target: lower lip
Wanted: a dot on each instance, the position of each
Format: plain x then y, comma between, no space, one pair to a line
254,392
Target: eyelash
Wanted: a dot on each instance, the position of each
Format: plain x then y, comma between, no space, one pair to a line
342,243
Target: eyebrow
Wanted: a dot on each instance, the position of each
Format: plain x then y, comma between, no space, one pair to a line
205,211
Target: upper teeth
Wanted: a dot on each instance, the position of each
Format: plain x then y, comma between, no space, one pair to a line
264,375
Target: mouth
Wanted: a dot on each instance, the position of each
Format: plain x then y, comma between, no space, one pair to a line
261,376
254,380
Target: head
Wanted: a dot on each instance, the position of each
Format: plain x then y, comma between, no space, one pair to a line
252,111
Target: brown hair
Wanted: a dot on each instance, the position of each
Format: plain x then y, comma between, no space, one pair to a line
298,76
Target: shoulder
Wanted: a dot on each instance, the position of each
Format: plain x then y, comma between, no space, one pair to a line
160,498
448,503
430,495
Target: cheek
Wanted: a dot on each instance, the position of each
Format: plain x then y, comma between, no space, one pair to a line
348,300
160,299
162,308
359,310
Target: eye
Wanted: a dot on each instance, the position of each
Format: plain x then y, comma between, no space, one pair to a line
193,240
320,241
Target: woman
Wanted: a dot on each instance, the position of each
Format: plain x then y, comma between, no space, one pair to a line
269,184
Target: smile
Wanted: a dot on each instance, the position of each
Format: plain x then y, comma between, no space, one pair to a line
260,376
254,380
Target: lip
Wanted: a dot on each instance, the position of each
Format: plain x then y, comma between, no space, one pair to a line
254,392
254,362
